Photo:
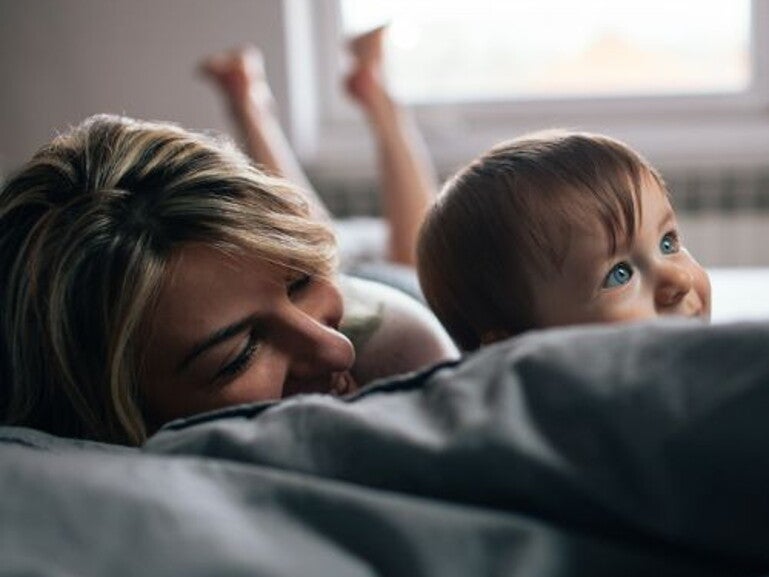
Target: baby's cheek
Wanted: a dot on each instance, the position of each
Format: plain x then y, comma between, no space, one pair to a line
632,305
702,287
635,313
701,279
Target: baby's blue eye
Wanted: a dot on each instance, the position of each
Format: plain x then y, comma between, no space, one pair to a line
619,275
670,243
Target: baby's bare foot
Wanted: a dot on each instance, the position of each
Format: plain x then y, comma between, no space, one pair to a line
365,82
240,74
367,47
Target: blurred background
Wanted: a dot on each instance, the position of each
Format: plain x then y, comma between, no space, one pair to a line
685,82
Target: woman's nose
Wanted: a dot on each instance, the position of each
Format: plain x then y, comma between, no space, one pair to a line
673,283
317,352
314,346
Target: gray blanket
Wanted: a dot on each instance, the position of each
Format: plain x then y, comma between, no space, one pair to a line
592,451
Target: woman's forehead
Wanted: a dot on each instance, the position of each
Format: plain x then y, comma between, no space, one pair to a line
206,287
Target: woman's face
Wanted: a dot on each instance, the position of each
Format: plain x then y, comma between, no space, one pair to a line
230,330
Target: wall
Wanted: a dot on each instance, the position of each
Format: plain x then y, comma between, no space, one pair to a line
61,61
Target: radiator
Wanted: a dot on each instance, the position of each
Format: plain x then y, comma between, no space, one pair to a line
723,213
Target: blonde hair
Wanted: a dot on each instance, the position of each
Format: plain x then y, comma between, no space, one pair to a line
509,214
87,230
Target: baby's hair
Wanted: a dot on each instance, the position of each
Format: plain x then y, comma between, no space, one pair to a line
88,232
510,214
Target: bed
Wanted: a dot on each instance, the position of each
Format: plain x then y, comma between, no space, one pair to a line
619,450
740,294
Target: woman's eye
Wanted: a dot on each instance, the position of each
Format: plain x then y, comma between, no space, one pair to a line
618,276
297,284
242,361
670,243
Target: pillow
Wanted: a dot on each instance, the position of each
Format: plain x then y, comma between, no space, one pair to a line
650,436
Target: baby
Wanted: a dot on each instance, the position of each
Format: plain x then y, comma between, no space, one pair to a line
550,229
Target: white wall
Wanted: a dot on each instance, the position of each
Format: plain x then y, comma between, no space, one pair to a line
63,60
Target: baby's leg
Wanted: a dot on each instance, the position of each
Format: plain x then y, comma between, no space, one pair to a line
407,176
240,76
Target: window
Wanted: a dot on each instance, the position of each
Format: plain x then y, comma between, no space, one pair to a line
491,50
683,81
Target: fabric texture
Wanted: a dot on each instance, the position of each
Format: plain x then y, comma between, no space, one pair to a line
588,451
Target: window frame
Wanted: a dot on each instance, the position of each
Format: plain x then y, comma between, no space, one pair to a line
672,129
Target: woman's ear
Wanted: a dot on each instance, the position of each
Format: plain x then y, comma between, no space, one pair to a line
494,336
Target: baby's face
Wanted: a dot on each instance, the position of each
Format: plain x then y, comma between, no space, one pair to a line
651,276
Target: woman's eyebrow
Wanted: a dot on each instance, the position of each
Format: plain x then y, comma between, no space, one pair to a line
216,338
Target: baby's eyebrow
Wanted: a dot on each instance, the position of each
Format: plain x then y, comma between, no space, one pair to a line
667,218
622,241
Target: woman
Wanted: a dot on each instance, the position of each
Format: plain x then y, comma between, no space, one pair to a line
147,273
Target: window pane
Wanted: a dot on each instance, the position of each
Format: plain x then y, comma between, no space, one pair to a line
454,50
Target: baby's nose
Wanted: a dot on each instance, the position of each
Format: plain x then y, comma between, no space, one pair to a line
674,283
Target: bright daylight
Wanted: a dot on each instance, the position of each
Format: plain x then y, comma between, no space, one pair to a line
556,48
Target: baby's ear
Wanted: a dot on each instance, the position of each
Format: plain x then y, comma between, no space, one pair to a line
494,336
